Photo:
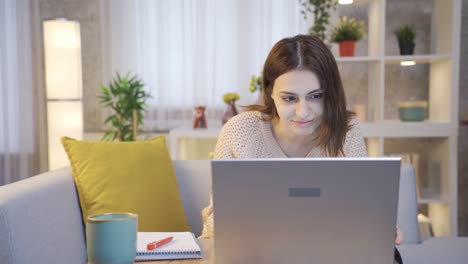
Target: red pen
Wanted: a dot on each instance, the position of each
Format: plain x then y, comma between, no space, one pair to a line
158,243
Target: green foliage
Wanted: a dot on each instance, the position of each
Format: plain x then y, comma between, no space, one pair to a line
321,10
126,97
230,97
256,83
348,29
405,34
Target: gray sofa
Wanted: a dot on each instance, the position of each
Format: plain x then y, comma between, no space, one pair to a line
40,218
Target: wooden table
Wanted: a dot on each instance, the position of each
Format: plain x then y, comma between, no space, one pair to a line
206,246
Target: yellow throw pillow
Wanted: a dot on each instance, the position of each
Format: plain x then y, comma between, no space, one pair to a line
136,177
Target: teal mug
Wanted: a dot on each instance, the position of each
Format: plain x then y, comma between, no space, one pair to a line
111,238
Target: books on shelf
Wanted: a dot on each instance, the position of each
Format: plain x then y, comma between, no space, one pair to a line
183,245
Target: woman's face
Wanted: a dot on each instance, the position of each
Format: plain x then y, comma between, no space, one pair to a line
298,98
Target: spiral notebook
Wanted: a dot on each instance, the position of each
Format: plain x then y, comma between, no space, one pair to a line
182,246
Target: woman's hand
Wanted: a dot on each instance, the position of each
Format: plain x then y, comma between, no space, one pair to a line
398,236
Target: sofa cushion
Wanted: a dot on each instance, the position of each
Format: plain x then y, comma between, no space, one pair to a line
135,177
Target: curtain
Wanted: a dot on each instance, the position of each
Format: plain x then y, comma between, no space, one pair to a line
19,133
190,53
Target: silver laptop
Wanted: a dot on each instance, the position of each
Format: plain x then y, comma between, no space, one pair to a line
325,210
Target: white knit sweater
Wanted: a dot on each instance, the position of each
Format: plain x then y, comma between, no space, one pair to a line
248,136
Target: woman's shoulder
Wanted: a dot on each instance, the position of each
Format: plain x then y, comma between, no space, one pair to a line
245,120
354,125
247,116
243,125
354,143
240,135
353,121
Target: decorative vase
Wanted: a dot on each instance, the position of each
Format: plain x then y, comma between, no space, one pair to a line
200,118
230,112
347,48
406,48
412,110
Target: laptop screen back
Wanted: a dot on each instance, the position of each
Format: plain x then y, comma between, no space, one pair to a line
326,210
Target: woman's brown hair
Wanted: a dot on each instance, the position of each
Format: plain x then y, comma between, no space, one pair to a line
310,53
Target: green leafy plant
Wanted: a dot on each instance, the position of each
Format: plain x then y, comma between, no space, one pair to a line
126,97
405,33
230,97
256,83
321,11
348,29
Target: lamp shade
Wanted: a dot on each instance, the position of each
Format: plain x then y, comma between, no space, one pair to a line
63,76
63,119
62,54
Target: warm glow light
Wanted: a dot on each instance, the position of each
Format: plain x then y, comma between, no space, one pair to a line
62,55
407,63
64,118
345,2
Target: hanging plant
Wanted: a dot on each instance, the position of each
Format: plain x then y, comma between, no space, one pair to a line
321,10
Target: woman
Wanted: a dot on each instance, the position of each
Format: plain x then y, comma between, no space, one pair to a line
304,113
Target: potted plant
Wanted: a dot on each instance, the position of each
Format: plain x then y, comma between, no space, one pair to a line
321,11
126,97
405,36
230,99
346,32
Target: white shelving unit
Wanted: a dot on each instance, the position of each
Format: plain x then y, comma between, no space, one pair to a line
439,131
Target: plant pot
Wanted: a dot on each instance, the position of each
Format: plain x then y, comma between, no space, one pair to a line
347,48
406,48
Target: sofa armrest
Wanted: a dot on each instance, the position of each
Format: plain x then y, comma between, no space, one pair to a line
40,220
453,250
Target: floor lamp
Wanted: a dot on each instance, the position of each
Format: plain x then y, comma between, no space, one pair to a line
63,78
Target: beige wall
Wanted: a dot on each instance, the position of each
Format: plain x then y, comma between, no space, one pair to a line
87,12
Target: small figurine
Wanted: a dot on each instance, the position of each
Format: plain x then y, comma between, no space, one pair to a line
200,118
